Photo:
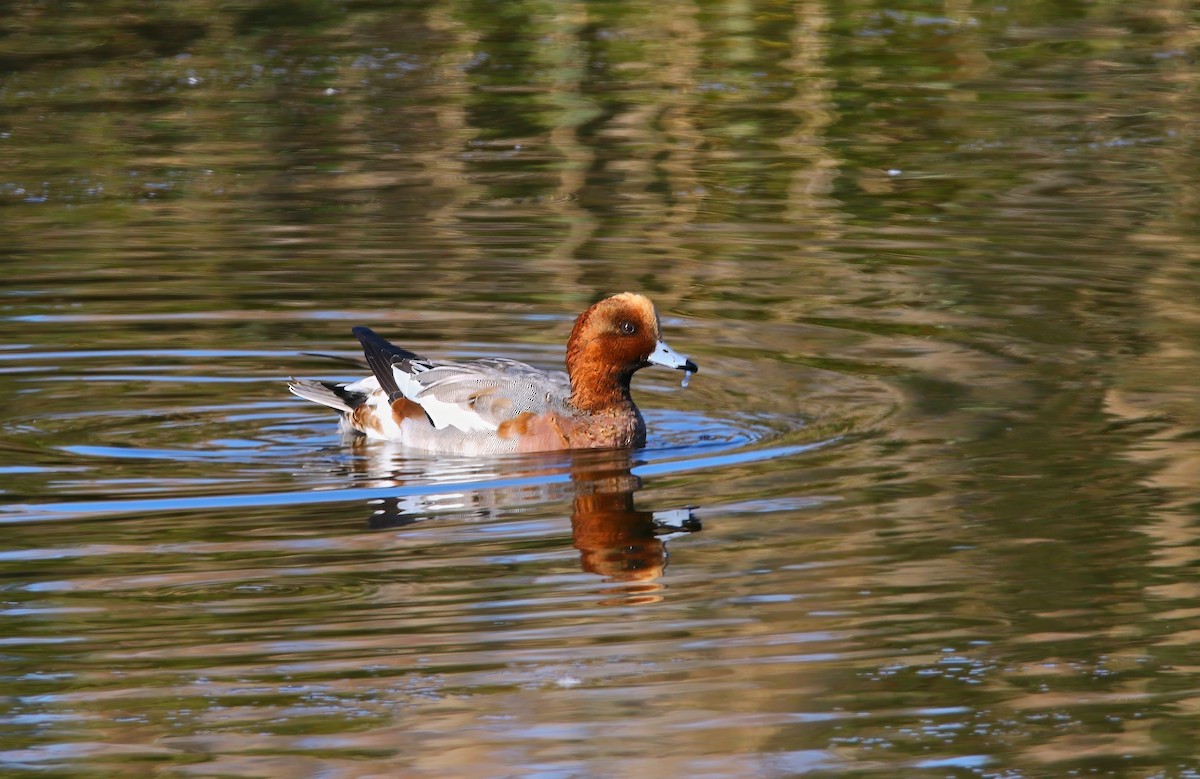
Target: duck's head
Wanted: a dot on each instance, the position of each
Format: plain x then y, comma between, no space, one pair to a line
610,341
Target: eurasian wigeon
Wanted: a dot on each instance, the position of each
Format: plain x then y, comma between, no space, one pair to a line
494,406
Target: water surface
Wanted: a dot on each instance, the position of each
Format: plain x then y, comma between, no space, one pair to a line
928,510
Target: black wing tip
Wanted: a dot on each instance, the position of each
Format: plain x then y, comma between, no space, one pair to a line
369,338
381,356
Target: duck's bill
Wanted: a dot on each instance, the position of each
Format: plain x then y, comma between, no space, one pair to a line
669,358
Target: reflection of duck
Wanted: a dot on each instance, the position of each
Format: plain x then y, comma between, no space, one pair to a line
495,406
615,539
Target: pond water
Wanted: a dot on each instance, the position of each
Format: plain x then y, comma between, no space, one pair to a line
930,508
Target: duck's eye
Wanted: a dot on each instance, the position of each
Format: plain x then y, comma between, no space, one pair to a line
628,328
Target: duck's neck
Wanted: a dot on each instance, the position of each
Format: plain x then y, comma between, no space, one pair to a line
597,389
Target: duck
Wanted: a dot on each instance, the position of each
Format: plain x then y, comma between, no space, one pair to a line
498,406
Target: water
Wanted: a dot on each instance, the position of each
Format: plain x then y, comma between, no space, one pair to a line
928,510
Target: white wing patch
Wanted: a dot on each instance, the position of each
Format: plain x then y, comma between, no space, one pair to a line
443,414
365,386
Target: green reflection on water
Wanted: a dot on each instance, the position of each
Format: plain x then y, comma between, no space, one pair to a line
961,235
